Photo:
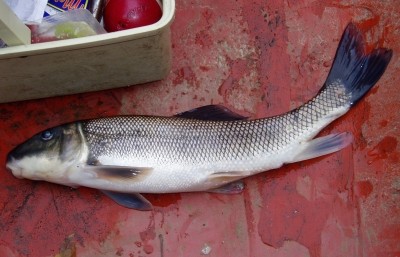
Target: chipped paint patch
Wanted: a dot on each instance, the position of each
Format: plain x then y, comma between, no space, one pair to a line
304,187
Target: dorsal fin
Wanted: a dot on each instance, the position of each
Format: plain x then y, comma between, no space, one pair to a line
211,112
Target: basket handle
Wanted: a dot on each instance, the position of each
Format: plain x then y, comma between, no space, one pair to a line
12,30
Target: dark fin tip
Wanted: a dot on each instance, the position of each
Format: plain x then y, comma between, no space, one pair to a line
120,172
357,70
211,112
109,172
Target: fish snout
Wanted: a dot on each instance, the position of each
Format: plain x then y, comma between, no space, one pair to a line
11,165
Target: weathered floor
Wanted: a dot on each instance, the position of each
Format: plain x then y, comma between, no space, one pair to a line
259,58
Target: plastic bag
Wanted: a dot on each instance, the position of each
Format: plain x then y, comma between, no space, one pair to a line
27,11
65,25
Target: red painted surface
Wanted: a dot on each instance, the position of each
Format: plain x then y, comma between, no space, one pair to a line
259,58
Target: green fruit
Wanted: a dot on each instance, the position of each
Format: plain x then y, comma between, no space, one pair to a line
73,29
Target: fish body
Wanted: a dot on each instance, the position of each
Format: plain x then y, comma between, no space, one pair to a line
183,155
207,149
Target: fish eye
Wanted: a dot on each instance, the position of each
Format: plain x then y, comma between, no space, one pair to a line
47,135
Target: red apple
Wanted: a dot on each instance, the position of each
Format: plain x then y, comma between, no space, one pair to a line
126,14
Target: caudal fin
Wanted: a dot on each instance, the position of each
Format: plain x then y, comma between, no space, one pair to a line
357,70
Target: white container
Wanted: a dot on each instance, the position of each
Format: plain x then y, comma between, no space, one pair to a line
86,64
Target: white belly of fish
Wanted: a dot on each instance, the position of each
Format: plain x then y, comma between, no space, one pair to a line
184,178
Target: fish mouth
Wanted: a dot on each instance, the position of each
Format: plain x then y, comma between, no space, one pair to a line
12,166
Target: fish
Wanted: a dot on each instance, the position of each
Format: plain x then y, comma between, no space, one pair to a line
210,148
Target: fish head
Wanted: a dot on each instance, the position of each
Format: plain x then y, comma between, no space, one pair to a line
49,155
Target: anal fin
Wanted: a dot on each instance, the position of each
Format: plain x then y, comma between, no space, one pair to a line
323,145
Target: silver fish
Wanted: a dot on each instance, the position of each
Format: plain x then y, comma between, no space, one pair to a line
207,149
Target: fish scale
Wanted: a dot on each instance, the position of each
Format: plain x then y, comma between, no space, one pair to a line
191,141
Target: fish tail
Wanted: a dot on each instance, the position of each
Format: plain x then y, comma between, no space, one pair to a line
355,69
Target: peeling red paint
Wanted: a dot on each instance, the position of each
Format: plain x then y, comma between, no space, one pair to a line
299,207
386,148
363,188
260,58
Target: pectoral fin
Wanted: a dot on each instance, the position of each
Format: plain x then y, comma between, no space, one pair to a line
130,200
118,173
324,145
